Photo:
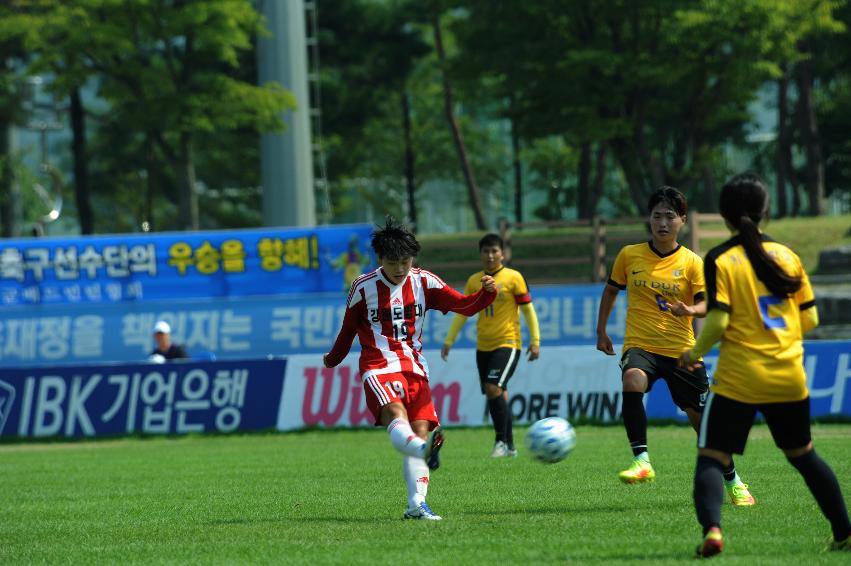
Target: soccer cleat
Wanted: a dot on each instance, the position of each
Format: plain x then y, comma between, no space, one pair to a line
512,453
840,545
432,448
638,472
713,543
739,494
500,450
421,511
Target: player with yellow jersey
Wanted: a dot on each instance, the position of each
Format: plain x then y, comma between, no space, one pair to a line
760,304
664,290
499,343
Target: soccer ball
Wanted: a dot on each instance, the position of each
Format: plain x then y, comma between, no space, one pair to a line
550,440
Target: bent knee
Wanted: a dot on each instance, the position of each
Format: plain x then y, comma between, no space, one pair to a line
634,380
492,391
798,452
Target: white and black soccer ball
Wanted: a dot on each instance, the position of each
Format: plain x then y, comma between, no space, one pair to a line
550,440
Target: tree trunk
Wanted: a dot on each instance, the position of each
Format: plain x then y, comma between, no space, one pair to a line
651,166
472,188
629,164
518,174
410,185
810,134
710,187
518,167
150,183
583,182
10,198
599,180
188,213
783,141
81,169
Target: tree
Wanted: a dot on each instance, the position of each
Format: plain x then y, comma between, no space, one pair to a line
368,52
660,85
12,55
165,69
473,193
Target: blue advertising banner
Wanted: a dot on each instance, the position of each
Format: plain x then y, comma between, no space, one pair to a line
135,267
251,327
256,327
173,398
828,365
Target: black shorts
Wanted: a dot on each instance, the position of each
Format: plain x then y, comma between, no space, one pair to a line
688,388
726,423
497,366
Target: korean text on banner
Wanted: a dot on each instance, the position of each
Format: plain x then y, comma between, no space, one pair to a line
135,267
176,398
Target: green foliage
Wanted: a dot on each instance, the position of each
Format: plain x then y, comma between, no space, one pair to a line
665,87
169,72
337,497
665,83
551,164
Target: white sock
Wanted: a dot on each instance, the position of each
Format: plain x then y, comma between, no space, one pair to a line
416,475
404,440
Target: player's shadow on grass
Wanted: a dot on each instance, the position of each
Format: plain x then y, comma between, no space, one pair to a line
286,519
554,510
674,554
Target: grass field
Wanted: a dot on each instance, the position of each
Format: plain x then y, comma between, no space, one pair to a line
336,497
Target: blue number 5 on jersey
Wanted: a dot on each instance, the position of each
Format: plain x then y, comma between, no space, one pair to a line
769,321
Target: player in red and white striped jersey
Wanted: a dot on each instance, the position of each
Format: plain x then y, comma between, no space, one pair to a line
386,310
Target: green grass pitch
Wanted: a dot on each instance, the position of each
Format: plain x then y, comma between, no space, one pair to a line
337,497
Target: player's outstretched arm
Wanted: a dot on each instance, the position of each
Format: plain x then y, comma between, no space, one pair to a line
344,340
716,323
488,284
447,299
679,308
607,303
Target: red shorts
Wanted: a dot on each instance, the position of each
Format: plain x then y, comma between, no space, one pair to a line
408,388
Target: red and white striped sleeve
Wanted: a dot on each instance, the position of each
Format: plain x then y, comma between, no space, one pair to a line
442,297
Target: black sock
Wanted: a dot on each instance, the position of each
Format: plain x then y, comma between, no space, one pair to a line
635,421
730,471
509,426
498,409
825,488
708,492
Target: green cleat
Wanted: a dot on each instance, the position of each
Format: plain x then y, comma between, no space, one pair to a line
638,472
739,494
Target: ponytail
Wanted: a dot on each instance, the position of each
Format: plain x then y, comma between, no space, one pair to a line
744,202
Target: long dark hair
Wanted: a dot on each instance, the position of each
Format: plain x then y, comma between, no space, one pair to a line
744,203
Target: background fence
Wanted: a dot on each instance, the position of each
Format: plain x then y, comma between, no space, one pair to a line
577,251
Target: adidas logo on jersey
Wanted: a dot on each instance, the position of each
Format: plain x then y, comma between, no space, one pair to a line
397,301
